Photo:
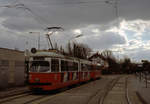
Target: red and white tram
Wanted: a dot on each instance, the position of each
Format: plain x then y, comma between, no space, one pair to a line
49,70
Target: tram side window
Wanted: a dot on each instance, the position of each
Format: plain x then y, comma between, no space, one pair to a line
84,67
70,66
98,67
94,67
89,67
75,66
64,65
55,65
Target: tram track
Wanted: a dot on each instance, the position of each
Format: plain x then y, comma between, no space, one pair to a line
107,89
13,92
13,97
116,86
116,92
23,99
29,98
98,95
65,93
36,99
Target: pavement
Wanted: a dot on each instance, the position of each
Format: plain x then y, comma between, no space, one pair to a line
138,87
13,91
88,93
117,93
91,92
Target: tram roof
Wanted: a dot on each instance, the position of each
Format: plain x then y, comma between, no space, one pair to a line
55,54
47,54
51,53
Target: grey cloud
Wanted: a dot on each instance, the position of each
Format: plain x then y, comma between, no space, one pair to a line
21,24
104,40
65,15
70,14
73,15
140,54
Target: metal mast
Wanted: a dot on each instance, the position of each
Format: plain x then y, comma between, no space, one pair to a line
51,31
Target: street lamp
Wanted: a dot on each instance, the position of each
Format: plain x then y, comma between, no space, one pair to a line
77,36
38,42
80,35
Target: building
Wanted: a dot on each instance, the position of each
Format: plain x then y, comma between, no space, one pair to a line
11,68
97,58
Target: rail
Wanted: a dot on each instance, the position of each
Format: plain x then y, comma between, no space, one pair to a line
144,76
116,84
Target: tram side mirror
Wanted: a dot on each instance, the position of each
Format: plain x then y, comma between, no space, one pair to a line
33,50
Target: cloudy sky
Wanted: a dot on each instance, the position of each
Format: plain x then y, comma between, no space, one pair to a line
127,35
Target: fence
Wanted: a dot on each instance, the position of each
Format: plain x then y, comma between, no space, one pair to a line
144,76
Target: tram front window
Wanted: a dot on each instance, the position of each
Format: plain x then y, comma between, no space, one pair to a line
39,66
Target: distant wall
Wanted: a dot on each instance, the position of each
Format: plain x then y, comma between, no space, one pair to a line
11,68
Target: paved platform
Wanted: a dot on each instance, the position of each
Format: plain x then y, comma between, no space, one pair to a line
88,93
92,92
13,91
139,86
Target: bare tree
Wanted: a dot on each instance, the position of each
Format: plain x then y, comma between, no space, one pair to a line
107,54
56,46
78,50
69,49
126,65
114,66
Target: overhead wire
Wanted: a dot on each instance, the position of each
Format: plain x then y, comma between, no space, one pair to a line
18,5
79,2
